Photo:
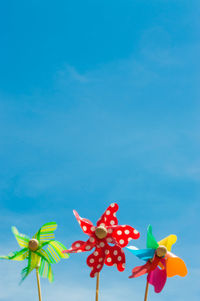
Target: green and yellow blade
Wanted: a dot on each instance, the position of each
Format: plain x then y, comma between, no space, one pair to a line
21,238
18,255
46,232
54,251
45,270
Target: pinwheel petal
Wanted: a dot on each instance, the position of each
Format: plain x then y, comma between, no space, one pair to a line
141,270
151,241
123,234
18,255
44,255
85,224
21,238
157,278
168,241
45,270
144,254
175,266
108,218
46,232
81,246
96,261
55,251
115,256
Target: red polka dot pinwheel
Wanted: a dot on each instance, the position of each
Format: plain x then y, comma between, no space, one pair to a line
108,238
160,262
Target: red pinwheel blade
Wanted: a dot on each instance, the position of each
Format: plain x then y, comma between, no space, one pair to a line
81,246
141,270
146,268
115,256
123,234
96,261
109,216
86,225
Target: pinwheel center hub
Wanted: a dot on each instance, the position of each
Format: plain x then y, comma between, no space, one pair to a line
101,232
33,244
161,251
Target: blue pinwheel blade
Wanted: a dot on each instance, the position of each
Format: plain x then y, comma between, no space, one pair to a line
144,254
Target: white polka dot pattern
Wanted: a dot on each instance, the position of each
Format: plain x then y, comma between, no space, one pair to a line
108,250
96,261
82,246
116,258
109,218
123,234
85,224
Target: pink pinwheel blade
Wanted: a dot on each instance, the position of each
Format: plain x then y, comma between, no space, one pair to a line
157,278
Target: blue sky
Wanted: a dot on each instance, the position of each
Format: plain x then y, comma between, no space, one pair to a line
99,102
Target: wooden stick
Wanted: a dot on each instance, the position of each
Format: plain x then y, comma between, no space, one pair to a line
38,284
97,287
146,291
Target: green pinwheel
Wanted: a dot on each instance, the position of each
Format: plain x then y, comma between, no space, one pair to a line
41,251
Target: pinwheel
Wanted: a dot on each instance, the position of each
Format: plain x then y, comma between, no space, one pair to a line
160,262
108,239
33,250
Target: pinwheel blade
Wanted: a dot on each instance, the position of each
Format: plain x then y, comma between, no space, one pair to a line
46,232
168,241
116,256
81,246
96,261
175,266
26,271
157,278
151,241
45,270
55,251
43,254
123,234
21,238
108,218
86,224
140,270
144,254
18,255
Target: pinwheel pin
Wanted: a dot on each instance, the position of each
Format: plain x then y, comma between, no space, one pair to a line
160,262
34,250
108,239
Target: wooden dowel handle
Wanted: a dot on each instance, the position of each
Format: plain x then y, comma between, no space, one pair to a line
146,291
38,284
97,287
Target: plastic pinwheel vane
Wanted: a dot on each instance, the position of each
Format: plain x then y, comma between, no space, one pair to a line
160,262
34,251
108,239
